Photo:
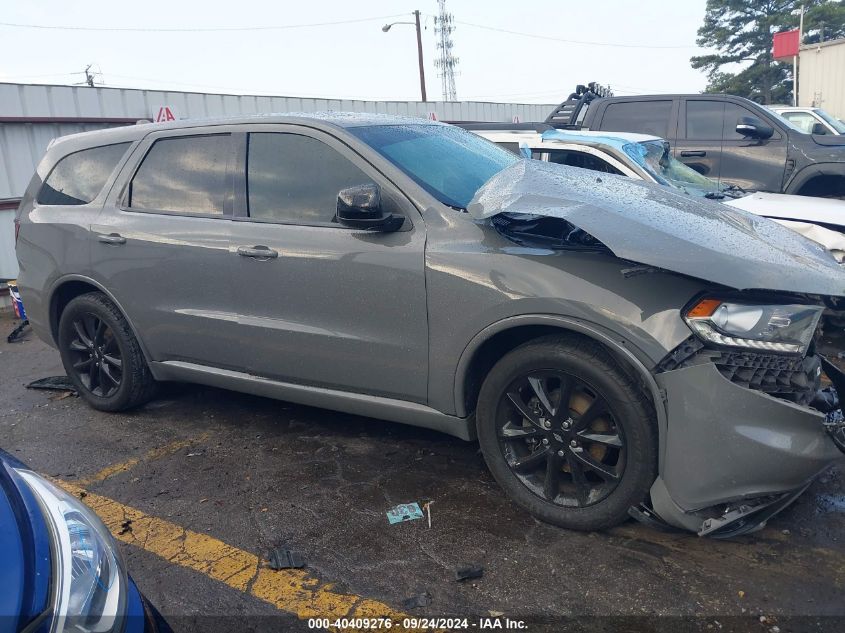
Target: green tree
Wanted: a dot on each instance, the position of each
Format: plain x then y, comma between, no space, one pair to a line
740,31
824,21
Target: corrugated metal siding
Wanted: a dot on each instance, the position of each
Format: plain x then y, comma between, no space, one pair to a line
8,262
21,100
821,72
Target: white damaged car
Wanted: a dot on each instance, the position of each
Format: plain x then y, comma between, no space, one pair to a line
649,158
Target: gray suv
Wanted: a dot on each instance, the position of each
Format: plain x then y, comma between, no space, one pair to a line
616,348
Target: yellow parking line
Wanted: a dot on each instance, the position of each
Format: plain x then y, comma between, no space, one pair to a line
156,453
290,590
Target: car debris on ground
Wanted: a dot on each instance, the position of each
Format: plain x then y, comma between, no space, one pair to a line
468,572
282,558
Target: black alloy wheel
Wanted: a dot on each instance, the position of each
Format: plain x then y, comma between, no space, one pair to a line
95,355
102,356
560,438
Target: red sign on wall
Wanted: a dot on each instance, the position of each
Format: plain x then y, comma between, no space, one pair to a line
786,44
163,114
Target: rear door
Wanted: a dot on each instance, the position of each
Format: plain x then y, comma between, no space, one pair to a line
708,142
56,218
319,303
161,245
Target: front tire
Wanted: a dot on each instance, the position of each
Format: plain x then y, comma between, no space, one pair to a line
582,465
101,355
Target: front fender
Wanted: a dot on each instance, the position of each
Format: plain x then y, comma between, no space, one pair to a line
619,348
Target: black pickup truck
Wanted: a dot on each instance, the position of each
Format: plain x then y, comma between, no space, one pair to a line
727,138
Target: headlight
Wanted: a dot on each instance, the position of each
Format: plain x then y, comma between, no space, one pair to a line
90,579
772,328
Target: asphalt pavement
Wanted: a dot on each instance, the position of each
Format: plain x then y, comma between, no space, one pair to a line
201,484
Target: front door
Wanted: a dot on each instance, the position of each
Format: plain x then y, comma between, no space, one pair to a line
708,142
319,303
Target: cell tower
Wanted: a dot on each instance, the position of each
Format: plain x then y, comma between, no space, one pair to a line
443,27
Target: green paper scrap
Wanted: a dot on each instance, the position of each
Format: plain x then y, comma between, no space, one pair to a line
404,512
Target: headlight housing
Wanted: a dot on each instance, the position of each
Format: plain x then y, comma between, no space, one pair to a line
785,328
90,578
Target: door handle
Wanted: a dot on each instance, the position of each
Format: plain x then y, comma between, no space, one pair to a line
257,252
693,153
112,238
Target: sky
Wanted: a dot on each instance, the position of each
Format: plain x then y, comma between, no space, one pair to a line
635,47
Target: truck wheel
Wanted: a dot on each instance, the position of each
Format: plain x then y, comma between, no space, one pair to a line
101,355
567,434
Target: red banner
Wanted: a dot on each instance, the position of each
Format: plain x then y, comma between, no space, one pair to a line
786,44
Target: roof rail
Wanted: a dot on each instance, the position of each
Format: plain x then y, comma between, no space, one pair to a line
570,113
504,126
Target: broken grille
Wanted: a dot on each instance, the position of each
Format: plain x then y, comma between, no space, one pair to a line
787,377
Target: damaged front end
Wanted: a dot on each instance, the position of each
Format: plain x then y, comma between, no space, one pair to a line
749,431
753,411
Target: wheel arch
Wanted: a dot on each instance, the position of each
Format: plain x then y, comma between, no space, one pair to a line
69,287
815,179
489,345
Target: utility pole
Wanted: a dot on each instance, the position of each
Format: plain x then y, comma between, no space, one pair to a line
795,59
416,23
420,55
443,27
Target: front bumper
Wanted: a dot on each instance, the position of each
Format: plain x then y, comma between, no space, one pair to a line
733,453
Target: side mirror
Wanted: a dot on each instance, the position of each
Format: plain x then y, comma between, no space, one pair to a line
818,128
752,127
359,207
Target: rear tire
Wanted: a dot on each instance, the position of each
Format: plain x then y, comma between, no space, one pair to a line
101,355
581,466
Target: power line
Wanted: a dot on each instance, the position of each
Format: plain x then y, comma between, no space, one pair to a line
566,41
211,29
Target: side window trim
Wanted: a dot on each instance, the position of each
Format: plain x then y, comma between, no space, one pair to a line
132,166
241,197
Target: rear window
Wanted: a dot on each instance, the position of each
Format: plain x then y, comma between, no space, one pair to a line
78,178
643,117
184,175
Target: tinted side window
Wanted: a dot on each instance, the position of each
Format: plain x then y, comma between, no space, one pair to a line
184,174
79,177
295,179
645,117
582,160
714,120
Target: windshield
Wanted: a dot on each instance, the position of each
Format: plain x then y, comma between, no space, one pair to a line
835,123
657,160
448,162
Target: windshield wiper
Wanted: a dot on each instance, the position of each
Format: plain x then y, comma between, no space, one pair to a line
714,195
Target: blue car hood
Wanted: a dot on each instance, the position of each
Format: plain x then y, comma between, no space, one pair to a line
24,551
12,571
652,225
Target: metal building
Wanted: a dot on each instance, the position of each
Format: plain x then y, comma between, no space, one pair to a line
821,77
33,115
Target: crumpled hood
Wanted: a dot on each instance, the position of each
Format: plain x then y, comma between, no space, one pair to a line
652,225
